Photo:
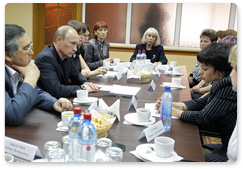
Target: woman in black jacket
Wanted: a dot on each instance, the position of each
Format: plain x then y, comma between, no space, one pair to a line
151,44
217,111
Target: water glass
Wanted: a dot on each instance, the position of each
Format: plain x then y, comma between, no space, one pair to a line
57,155
102,145
114,154
48,147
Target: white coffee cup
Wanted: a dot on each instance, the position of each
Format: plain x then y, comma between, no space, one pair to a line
66,117
176,69
176,81
9,157
173,63
116,61
82,95
106,64
143,115
164,146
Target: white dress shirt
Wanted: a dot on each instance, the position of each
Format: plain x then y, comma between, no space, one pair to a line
232,146
15,78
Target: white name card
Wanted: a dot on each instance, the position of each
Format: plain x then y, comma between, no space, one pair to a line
152,86
133,104
152,131
117,76
21,149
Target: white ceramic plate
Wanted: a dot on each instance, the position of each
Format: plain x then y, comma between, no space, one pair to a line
173,74
170,84
88,101
132,118
147,154
61,126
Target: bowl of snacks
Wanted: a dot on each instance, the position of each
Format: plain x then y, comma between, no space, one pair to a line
102,122
145,75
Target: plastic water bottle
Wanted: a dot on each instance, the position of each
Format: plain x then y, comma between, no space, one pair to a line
166,108
86,139
143,58
73,125
138,60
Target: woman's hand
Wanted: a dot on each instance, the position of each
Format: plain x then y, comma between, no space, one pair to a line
158,104
196,89
176,112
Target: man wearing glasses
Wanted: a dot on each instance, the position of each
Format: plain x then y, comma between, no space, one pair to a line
21,75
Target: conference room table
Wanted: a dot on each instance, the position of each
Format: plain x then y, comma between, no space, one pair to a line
39,126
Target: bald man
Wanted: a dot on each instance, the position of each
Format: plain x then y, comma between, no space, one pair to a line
56,66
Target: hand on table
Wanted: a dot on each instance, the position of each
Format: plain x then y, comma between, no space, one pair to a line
91,87
62,104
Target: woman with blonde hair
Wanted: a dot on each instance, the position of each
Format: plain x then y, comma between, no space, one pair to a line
151,44
232,146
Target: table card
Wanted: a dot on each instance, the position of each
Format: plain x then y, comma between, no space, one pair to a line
117,76
133,104
152,131
21,149
152,86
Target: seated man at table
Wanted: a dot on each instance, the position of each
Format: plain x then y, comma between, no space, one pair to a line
56,65
21,75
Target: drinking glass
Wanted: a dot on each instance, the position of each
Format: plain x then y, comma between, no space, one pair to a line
114,154
57,155
102,145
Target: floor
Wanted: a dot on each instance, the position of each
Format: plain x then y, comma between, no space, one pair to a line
210,140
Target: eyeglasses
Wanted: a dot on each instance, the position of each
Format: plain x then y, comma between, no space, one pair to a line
29,49
86,35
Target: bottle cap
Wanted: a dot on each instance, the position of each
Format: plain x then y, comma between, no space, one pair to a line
143,50
167,88
87,116
77,110
139,51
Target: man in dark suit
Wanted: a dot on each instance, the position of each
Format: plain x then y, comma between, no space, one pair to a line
56,66
21,75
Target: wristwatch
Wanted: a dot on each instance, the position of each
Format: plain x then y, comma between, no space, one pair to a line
83,87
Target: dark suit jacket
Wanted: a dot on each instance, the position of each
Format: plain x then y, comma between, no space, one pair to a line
93,55
157,53
55,73
215,112
18,105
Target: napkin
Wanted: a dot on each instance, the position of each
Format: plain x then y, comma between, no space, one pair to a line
109,74
163,67
133,77
122,70
114,108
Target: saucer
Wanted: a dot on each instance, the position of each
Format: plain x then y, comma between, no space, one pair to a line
144,151
173,74
88,101
132,118
172,86
61,126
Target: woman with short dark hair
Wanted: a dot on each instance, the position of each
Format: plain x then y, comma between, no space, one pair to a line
217,111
